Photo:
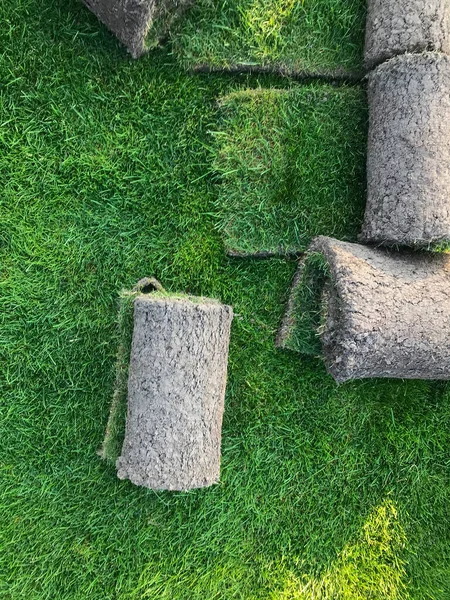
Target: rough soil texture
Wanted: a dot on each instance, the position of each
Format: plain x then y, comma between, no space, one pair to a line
388,313
408,156
400,26
131,20
176,391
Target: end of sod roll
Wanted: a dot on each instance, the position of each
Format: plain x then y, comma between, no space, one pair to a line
408,180
378,313
403,26
172,390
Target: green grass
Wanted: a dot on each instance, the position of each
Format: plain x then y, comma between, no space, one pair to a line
304,316
305,36
290,166
327,492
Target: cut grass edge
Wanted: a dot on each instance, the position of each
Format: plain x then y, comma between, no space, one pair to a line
304,315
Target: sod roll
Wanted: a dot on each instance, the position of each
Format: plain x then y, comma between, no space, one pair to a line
399,26
138,24
408,156
176,389
387,313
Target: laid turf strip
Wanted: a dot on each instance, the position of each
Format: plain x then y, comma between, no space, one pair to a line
304,36
290,165
327,492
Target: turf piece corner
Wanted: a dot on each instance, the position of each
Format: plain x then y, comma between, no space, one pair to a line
305,313
290,166
139,25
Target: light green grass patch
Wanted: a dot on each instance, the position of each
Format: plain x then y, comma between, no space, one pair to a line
370,566
290,166
312,36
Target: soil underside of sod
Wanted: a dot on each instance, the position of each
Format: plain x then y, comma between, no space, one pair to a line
326,492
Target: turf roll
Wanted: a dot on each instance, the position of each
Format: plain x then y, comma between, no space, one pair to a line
408,180
401,26
383,313
138,24
290,165
176,389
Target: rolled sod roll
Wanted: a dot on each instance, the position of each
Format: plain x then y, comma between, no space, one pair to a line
386,313
371,312
176,389
138,24
408,156
400,26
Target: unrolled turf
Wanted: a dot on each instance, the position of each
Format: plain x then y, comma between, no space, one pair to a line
290,165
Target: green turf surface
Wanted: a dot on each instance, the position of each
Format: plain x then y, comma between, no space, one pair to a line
326,492
306,36
290,166
304,315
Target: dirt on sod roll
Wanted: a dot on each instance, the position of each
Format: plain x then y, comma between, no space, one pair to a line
408,179
176,389
290,165
305,311
401,26
138,24
387,313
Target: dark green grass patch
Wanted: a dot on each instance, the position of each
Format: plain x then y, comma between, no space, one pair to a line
304,315
312,36
340,491
291,166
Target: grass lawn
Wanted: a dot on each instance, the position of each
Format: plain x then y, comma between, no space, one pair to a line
291,166
327,492
312,36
